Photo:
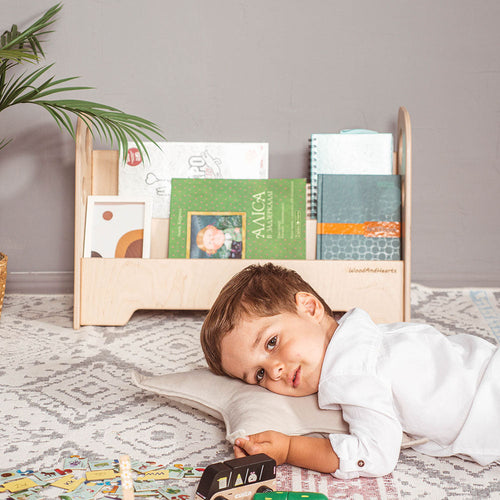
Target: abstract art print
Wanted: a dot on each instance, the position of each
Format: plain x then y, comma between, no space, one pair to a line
117,227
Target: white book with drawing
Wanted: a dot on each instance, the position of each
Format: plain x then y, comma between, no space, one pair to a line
151,178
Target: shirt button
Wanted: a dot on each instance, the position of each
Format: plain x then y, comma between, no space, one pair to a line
361,463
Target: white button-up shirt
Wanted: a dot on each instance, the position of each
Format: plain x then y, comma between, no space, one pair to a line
409,377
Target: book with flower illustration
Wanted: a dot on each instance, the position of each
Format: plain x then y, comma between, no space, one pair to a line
150,177
359,217
237,219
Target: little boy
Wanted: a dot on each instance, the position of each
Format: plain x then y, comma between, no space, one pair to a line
269,327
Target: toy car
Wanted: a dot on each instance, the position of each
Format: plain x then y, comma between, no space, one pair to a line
289,495
239,479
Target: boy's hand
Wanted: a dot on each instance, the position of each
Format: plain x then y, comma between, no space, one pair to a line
274,444
302,451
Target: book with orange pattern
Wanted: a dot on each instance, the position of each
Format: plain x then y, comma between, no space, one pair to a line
359,217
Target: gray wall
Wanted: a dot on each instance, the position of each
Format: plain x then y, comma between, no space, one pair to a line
276,71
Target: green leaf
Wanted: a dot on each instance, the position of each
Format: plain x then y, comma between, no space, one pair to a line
17,55
31,35
106,122
4,142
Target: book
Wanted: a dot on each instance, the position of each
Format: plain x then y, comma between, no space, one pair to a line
359,217
349,152
237,219
151,177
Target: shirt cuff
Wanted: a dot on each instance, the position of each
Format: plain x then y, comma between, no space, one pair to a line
351,463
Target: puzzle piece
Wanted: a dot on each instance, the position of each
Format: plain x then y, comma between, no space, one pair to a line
147,486
68,483
114,493
9,475
40,482
153,475
84,492
110,488
26,495
20,484
175,473
99,475
76,462
180,471
193,473
64,472
146,466
26,472
48,474
173,494
102,464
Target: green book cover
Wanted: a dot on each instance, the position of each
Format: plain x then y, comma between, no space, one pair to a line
237,219
359,217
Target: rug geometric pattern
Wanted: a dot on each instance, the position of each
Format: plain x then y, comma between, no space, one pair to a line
65,392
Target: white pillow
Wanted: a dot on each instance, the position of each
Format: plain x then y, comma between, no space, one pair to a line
247,409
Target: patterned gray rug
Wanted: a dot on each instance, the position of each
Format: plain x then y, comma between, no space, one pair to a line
66,392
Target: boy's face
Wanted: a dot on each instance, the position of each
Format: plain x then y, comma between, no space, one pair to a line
283,353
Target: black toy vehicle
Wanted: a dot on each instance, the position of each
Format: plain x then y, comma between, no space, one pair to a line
239,478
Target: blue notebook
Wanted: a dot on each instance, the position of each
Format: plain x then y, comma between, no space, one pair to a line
359,217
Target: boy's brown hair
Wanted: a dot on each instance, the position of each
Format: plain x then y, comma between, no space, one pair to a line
258,290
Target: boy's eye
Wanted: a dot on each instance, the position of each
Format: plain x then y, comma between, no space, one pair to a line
271,344
259,375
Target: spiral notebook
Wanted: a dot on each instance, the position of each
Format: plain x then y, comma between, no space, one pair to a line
349,152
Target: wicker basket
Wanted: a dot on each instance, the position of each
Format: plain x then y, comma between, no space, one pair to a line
3,278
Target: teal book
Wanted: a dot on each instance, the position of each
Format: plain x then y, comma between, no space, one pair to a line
237,219
359,217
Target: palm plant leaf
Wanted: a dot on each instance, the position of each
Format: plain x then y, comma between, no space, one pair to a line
28,40
17,55
108,123
4,142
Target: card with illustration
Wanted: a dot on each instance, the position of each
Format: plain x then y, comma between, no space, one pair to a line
147,486
49,475
193,472
75,462
153,475
145,466
9,475
96,465
85,491
172,494
26,495
175,473
216,235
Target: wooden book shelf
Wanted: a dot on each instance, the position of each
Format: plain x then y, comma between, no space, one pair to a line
109,291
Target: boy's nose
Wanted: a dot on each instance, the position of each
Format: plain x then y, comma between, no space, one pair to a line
276,371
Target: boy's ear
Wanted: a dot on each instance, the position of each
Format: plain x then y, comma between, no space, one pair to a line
309,304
